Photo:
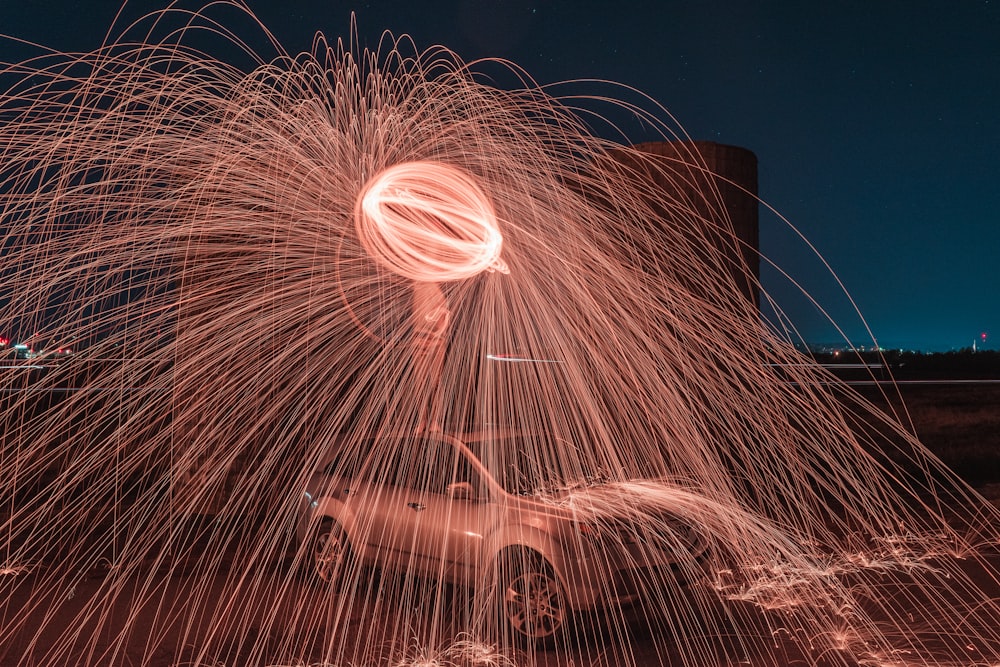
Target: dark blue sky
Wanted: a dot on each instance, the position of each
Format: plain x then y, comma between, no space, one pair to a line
875,124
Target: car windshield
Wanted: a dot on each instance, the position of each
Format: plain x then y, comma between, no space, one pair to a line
532,465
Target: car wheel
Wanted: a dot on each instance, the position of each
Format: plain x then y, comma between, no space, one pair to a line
329,553
532,601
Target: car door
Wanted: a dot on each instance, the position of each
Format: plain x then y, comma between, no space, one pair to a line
383,502
453,513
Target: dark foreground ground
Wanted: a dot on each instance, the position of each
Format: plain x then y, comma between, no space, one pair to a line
286,628
958,422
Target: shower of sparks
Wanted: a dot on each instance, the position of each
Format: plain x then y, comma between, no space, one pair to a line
249,264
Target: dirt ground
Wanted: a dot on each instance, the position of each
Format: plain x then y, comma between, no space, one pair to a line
287,630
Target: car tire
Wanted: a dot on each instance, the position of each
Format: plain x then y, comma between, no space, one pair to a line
329,554
532,606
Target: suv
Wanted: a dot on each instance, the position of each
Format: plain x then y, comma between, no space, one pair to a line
491,512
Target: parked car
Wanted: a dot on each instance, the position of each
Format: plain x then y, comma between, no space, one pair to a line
484,512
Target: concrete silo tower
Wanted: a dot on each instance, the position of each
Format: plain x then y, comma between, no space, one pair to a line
713,187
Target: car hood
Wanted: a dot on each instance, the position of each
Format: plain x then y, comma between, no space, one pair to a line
632,498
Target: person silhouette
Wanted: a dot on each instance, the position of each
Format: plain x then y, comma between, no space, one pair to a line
430,320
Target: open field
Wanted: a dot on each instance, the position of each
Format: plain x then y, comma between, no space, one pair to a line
959,422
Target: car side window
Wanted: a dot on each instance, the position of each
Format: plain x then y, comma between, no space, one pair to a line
379,462
343,464
465,472
425,464
403,463
436,464
399,464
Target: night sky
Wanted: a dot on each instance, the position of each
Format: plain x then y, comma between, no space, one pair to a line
875,123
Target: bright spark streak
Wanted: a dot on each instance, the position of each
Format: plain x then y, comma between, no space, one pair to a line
516,359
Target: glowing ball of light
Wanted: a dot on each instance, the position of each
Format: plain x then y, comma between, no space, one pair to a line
430,222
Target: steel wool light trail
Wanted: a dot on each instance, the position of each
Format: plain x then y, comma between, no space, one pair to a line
292,430
429,222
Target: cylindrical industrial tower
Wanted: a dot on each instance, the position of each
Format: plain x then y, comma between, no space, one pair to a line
718,185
